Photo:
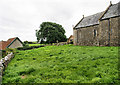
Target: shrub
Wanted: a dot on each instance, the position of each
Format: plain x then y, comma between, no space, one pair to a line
8,50
3,53
25,42
28,42
29,47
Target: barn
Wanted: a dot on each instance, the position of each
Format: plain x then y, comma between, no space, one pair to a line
100,29
70,40
11,43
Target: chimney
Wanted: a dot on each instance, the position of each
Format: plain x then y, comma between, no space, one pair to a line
83,16
110,2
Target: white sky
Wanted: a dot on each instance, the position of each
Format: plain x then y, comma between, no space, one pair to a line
20,18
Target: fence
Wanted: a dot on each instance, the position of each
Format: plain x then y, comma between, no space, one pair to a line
3,63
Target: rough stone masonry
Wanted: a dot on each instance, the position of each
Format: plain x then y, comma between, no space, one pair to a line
3,64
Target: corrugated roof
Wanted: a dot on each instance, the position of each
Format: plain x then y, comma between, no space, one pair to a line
113,11
90,20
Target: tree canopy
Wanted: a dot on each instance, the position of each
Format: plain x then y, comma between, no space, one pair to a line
50,33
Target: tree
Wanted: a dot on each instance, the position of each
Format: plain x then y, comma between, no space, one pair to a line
50,33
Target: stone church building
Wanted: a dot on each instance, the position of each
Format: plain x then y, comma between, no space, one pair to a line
101,29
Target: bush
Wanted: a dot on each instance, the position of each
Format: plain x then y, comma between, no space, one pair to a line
8,50
3,53
28,42
29,47
25,42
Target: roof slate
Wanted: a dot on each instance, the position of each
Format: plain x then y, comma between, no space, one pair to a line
90,20
113,11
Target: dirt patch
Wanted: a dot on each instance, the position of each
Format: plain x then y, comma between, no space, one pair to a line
23,77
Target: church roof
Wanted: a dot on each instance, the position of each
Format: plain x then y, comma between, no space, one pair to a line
89,20
112,11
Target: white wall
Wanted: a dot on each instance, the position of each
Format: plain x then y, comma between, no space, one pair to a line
16,44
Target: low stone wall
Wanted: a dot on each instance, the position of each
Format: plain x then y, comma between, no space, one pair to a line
3,64
61,43
57,44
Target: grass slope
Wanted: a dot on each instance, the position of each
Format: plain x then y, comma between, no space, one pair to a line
64,64
35,44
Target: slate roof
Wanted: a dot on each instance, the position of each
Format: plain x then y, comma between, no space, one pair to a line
5,44
113,11
89,20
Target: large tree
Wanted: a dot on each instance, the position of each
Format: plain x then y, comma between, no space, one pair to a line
50,33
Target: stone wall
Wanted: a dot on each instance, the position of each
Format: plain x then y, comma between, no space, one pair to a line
115,28
75,36
16,44
60,43
3,64
109,32
119,31
104,32
86,36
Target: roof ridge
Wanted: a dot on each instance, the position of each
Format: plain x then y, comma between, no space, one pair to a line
78,23
89,20
112,11
6,44
105,11
12,38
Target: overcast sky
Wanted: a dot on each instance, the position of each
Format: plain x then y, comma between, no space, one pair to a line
20,18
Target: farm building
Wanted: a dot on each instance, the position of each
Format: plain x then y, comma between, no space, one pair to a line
11,43
70,39
101,29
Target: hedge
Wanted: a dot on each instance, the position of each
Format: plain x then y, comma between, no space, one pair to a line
29,47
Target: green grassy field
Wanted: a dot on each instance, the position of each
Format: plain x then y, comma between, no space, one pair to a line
35,44
64,64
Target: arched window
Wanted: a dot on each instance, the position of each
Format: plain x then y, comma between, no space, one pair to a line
95,33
